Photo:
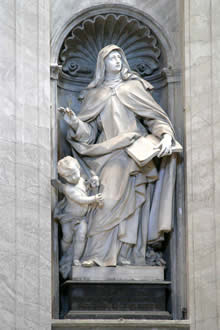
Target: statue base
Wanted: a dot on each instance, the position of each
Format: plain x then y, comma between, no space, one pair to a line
115,299
116,292
118,274
111,315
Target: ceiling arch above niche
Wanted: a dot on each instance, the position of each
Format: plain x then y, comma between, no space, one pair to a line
80,48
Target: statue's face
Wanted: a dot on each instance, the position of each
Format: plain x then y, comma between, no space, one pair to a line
113,62
74,176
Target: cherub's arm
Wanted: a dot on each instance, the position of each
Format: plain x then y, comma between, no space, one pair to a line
84,200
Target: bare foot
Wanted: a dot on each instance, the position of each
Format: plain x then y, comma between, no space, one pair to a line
88,263
76,262
124,262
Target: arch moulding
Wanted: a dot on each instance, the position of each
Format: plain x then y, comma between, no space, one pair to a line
59,36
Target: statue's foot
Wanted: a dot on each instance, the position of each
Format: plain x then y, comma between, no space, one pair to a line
124,262
76,262
88,263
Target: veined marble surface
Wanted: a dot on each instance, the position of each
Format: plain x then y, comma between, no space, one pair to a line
202,94
25,235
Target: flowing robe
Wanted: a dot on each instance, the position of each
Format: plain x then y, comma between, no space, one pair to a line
137,201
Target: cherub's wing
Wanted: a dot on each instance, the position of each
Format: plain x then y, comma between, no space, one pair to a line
57,184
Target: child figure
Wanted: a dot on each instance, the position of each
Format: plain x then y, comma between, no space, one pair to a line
71,211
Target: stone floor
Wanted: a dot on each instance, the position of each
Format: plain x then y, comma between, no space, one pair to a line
120,324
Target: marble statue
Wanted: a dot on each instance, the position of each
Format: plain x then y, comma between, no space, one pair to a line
117,109
71,211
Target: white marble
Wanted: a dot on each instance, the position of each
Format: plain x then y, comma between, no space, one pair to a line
119,273
216,138
25,299
7,181
202,144
25,239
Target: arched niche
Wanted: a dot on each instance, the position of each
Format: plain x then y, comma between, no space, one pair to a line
150,52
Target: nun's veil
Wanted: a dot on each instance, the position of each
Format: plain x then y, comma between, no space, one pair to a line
100,66
126,72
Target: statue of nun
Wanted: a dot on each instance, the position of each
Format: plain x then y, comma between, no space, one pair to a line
117,108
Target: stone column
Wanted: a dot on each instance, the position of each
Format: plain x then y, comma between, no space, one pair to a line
202,99
25,236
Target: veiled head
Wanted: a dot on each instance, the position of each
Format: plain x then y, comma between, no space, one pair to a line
110,53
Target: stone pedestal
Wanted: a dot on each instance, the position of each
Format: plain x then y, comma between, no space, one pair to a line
106,300
128,292
118,274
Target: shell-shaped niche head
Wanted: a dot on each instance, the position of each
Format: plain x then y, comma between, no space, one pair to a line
80,49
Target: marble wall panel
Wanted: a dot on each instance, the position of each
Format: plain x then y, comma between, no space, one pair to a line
215,28
7,156
202,80
25,236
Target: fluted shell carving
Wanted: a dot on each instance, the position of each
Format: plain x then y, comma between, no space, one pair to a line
80,49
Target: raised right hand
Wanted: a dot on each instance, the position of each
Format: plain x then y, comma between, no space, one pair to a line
69,116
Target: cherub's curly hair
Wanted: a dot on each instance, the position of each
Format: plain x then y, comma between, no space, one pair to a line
66,165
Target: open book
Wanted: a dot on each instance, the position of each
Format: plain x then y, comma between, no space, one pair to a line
143,149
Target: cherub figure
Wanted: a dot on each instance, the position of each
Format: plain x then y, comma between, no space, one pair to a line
71,211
